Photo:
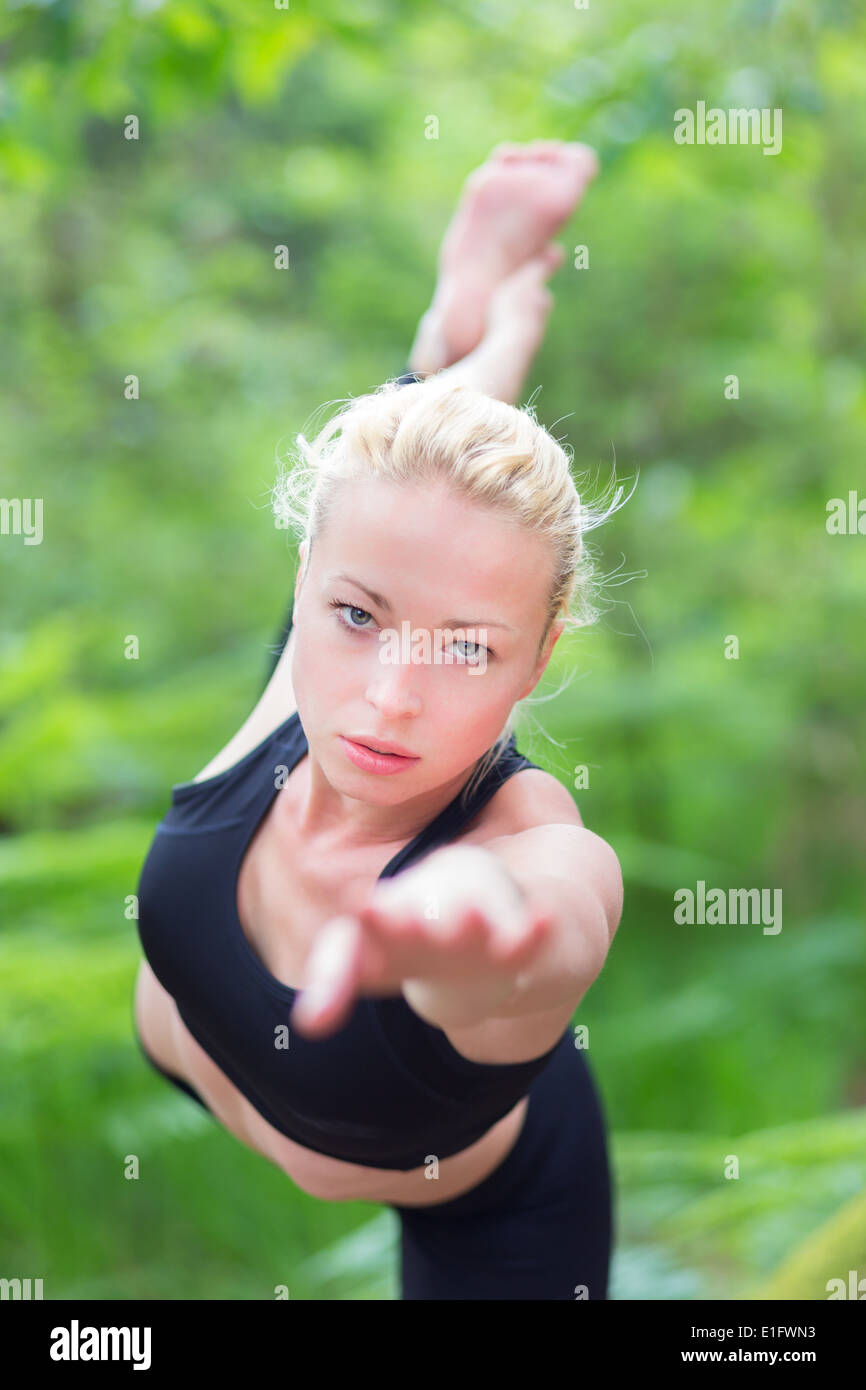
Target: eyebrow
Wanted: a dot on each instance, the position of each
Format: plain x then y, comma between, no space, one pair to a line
382,602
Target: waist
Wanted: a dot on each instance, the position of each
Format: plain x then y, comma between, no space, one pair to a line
168,1043
437,1181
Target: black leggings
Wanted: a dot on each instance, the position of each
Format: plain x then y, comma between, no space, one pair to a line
540,1226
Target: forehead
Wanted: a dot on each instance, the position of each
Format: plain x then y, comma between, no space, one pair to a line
422,539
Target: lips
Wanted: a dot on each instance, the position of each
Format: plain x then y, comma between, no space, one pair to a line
381,764
395,749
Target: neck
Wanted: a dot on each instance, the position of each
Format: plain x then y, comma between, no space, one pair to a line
329,819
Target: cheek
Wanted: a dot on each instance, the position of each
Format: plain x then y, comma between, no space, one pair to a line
315,654
310,676
475,723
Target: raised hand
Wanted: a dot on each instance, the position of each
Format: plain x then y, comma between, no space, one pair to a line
453,933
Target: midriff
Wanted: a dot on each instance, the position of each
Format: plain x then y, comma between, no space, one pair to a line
165,1036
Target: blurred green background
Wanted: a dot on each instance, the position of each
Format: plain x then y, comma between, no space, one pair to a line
306,127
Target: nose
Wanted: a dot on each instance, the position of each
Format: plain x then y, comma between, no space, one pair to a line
393,688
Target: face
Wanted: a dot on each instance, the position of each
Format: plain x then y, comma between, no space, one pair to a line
465,590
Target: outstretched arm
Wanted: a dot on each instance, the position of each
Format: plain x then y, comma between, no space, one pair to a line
474,934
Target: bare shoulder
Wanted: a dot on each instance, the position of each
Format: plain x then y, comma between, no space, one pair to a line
530,798
275,704
535,827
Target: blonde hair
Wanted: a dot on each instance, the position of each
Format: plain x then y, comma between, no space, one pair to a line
489,452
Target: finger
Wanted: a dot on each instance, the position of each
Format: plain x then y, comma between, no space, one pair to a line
321,1010
332,978
586,157
390,922
552,258
327,1018
413,944
533,273
517,952
405,935
471,926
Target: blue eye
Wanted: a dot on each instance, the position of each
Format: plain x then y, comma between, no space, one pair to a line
470,658
348,612
352,609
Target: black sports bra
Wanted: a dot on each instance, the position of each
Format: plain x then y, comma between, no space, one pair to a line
388,1089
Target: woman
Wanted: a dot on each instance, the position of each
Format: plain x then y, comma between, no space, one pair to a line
369,920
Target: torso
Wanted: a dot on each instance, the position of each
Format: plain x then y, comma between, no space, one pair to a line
280,886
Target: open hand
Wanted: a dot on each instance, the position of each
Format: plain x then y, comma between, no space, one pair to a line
452,933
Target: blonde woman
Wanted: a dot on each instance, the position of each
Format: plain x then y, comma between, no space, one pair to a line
369,920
